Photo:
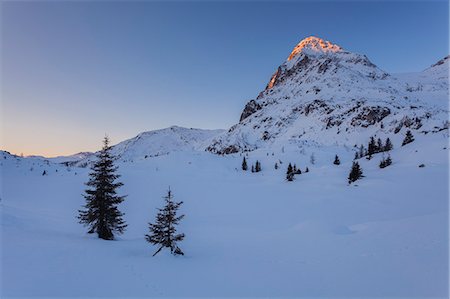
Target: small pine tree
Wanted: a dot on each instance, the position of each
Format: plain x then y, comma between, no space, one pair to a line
101,214
312,159
253,168
244,164
355,173
44,173
163,232
388,145
257,166
294,169
408,138
276,165
307,169
361,151
336,160
388,160
372,146
385,162
290,173
379,146
356,156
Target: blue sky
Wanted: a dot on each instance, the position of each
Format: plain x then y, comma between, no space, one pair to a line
73,71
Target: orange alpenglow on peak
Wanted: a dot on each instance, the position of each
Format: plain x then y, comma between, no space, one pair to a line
314,44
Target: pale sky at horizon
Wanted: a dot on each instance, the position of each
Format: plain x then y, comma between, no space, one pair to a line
73,71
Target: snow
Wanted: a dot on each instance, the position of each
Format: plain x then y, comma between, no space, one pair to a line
247,235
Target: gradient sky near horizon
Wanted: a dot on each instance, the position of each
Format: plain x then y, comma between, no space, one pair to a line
73,71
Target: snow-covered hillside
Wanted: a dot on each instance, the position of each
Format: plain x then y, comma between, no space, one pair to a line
148,144
247,234
323,94
164,141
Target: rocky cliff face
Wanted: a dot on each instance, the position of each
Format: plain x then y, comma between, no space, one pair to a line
323,94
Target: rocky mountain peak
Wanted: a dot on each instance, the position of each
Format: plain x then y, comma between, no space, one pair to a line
312,45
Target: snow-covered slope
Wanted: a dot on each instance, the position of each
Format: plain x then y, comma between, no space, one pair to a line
323,94
248,234
144,145
164,141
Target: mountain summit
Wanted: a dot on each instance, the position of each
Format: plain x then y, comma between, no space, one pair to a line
325,95
314,44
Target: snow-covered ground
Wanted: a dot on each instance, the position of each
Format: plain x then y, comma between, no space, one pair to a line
247,234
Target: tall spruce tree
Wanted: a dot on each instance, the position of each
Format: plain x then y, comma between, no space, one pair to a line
244,165
101,214
355,173
163,232
408,138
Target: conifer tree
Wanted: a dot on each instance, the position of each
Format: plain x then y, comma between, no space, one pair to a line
379,147
290,173
101,214
388,160
356,156
276,165
385,162
372,146
408,138
307,169
355,173
388,145
361,151
257,166
244,165
253,168
163,232
336,160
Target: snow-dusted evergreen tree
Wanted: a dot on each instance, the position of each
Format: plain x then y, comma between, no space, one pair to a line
372,147
257,166
290,173
355,173
312,159
276,165
362,151
388,145
101,214
163,232
244,165
336,160
408,138
385,162
380,146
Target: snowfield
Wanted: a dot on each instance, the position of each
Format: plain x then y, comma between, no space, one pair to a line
247,234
